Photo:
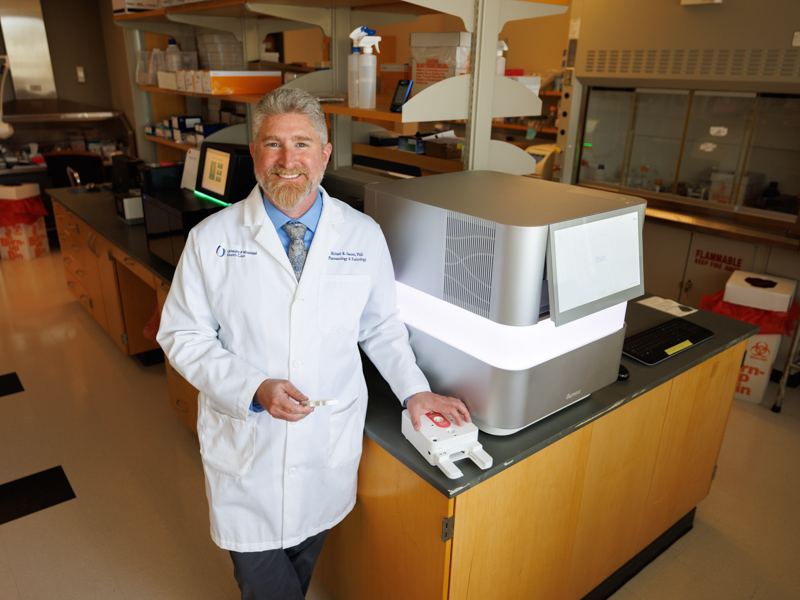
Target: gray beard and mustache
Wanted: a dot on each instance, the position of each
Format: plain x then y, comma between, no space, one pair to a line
286,195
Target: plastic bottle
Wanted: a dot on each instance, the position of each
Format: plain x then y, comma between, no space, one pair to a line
500,68
173,56
368,70
157,63
353,65
600,173
352,77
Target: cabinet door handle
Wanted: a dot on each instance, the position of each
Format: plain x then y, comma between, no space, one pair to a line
178,403
71,284
165,286
67,259
74,247
80,273
129,262
86,299
90,242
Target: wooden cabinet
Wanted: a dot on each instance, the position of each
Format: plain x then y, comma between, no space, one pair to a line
80,258
555,525
114,288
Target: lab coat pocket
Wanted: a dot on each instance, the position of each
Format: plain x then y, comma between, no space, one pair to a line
347,432
341,302
227,444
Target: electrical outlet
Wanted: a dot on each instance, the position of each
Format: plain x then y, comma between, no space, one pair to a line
81,75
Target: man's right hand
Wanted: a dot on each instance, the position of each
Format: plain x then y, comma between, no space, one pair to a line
281,400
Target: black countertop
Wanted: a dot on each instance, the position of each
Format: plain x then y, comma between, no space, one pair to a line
97,209
383,415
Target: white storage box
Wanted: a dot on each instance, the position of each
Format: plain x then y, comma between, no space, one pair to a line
124,6
437,56
759,290
756,369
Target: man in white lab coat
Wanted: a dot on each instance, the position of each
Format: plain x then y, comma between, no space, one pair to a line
270,301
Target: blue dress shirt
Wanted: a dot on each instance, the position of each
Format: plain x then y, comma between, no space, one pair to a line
310,219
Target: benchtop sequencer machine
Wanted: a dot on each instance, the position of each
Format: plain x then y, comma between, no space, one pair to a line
513,289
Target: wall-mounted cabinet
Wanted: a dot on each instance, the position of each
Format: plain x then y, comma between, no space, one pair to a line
733,155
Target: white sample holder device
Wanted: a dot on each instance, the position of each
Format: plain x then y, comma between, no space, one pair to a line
442,442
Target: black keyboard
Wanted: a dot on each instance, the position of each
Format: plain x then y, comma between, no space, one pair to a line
662,341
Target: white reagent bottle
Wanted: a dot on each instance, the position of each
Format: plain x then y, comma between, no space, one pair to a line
353,66
500,67
173,56
368,71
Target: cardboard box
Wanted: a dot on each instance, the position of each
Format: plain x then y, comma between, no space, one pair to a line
437,56
446,38
759,290
185,122
410,143
240,82
125,6
383,138
721,189
391,74
23,241
168,80
756,369
445,148
197,81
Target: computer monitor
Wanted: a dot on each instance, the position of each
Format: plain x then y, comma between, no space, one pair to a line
594,262
224,172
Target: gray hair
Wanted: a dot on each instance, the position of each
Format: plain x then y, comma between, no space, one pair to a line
291,101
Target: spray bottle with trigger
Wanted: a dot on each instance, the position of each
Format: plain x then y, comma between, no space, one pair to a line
368,69
352,66
500,67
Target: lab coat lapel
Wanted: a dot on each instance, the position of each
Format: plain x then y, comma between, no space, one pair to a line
325,237
255,216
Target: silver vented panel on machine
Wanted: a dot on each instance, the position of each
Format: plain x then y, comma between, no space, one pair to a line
468,264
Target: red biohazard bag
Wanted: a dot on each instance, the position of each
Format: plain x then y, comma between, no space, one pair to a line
770,321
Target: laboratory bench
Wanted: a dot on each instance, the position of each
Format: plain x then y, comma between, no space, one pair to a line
572,506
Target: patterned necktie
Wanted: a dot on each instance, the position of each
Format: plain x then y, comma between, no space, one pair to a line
297,247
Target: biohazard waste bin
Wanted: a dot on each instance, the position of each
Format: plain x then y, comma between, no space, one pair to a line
761,300
22,230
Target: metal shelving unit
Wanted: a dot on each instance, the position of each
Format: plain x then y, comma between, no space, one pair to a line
477,98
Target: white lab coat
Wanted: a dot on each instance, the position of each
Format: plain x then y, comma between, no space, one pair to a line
235,316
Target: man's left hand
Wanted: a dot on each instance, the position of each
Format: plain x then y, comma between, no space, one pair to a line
425,402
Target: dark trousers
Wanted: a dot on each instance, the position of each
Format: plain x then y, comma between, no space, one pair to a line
282,574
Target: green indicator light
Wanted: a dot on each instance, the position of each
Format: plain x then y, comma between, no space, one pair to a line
587,144
214,200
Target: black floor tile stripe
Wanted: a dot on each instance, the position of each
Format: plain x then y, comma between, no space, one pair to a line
10,384
33,493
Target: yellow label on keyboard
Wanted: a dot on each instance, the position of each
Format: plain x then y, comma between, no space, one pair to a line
678,347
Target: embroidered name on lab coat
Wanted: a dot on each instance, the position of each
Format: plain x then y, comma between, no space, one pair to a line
348,256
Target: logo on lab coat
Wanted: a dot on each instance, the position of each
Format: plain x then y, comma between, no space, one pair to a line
231,253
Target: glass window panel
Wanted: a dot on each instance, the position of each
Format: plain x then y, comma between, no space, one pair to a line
772,171
713,150
659,120
604,134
